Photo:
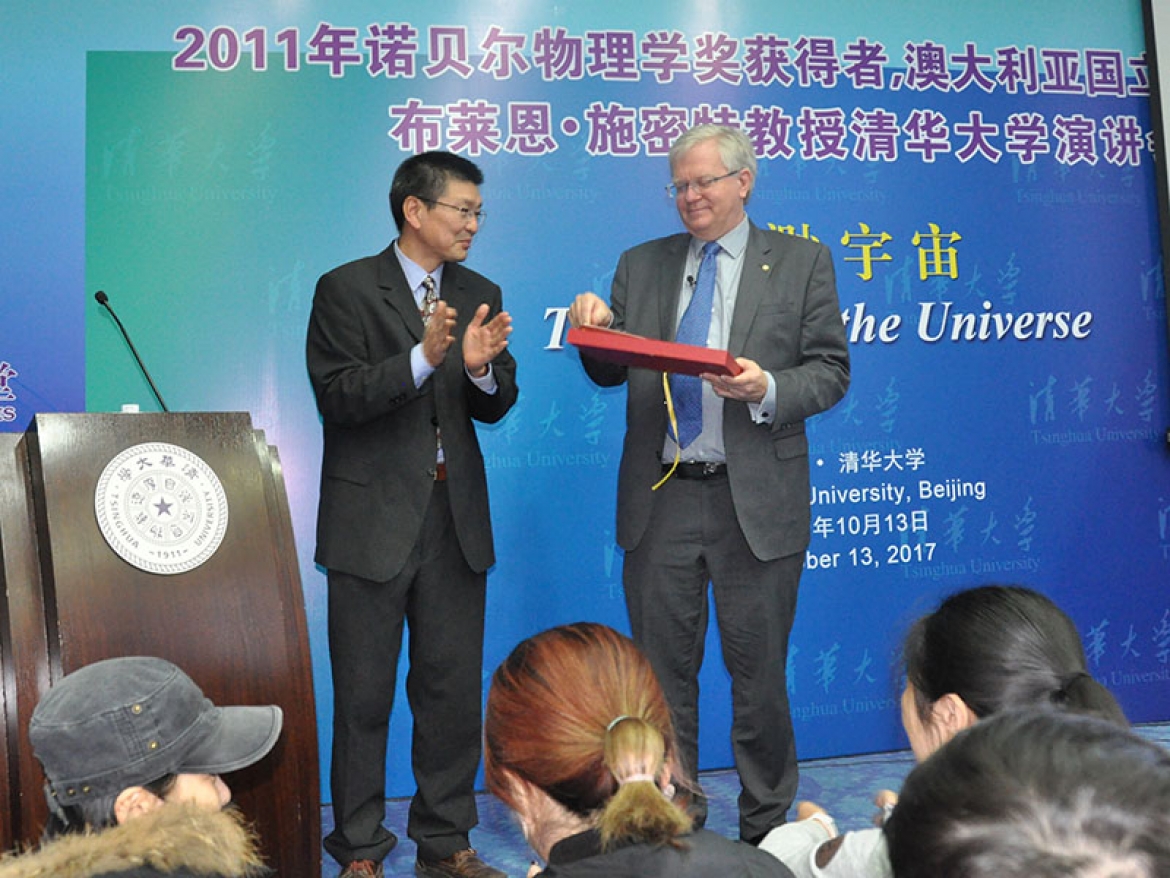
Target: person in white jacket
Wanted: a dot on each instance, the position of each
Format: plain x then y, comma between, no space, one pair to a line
982,651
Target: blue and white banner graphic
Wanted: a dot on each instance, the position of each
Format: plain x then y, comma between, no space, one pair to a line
983,176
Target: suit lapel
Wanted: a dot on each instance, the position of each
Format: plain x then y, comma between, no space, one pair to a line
754,281
670,279
397,294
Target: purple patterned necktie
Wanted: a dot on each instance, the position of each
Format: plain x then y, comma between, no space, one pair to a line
426,310
430,299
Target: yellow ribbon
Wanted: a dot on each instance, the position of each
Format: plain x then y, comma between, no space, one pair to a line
673,429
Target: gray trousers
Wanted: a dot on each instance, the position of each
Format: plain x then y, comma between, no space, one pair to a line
693,540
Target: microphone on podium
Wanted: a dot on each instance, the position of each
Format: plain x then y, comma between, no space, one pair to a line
104,300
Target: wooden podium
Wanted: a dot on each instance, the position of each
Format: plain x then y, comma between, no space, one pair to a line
235,622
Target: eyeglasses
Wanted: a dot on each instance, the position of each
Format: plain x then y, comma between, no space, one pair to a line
674,190
465,213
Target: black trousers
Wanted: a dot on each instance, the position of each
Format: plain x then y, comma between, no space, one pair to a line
693,540
441,600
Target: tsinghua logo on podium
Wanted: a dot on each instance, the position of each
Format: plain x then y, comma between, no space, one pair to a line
161,508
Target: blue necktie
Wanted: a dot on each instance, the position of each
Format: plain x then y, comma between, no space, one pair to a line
687,390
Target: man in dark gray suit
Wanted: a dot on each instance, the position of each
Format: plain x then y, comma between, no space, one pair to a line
735,512
403,525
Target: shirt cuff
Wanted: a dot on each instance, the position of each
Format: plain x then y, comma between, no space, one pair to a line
420,369
764,411
487,383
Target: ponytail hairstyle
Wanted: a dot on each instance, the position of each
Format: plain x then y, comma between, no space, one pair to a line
1000,647
635,754
577,712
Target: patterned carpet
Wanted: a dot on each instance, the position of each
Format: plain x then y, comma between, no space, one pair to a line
844,786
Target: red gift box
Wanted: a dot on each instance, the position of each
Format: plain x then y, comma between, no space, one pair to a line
650,353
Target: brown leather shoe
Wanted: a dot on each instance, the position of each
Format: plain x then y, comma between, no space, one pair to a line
362,869
461,864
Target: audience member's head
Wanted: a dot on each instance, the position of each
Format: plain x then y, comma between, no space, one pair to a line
990,649
121,737
578,735
1036,794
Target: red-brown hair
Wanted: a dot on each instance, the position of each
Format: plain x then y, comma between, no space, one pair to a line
556,703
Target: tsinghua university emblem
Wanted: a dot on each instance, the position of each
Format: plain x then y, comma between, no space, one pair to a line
161,508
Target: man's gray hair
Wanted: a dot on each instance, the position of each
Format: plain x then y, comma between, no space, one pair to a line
735,149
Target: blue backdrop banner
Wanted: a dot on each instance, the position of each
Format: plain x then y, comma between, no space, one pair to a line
983,178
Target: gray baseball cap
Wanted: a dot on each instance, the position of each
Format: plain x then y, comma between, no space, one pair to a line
126,722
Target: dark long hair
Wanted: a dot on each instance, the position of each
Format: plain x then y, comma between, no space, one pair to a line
1000,647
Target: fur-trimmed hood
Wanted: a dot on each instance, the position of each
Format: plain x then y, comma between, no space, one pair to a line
174,840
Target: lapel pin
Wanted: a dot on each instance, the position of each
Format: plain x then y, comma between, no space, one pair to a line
766,267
